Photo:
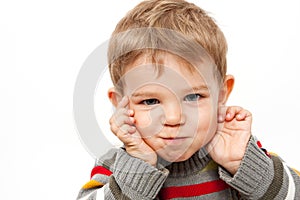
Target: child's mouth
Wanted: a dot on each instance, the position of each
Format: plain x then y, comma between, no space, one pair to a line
174,140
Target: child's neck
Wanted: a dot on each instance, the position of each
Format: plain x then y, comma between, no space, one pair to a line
195,163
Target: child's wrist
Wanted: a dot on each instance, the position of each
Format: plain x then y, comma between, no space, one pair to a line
152,163
232,167
150,158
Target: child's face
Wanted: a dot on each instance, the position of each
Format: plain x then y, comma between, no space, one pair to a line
175,111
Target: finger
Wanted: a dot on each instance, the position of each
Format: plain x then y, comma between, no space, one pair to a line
232,112
123,103
130,112
243,115
114,129
122,112
118,119
126,129
120,115
123,119
123,137
116,124
126,134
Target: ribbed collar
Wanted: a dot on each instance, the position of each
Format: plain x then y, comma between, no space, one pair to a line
195,163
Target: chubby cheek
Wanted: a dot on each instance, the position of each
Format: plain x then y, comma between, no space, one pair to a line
204,136
204,128
207,126
148,122
142,118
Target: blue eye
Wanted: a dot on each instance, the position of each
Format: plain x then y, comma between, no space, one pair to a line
150,102
192,97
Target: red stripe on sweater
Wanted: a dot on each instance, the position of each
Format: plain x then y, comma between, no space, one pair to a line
100,170
193,190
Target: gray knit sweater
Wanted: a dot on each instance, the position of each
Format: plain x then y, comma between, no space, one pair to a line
117,175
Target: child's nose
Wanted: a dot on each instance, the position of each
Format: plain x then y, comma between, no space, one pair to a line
173,115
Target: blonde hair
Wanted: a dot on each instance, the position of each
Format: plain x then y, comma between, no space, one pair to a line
174,26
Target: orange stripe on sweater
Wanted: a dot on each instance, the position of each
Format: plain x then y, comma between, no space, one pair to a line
92,184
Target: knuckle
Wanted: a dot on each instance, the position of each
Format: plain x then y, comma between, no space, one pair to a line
121,111
114,129
111,120
120,134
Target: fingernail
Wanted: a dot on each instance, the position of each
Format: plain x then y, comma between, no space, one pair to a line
130,112
131,119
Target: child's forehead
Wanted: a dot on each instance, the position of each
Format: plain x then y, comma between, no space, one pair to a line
166,70
160,59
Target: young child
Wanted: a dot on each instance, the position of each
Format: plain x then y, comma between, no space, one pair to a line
167,60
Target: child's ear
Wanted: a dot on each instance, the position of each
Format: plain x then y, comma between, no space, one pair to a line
226,89
113,96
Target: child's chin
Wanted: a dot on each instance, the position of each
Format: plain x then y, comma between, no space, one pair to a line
176,158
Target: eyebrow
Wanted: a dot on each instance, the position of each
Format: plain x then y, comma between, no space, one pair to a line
197,88
151,93
143,94
200,87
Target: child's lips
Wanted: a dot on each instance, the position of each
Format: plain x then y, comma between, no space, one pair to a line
174,140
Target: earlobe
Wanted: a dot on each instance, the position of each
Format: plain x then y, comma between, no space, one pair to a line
227,88
113,96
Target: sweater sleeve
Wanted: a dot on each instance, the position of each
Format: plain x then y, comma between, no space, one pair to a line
262,176
130,178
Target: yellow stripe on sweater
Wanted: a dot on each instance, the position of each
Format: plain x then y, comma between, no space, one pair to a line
212,165
92,184
296,171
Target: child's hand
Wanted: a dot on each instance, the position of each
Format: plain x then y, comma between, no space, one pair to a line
122,125
229,144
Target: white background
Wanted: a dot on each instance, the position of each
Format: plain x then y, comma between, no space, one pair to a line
44,43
